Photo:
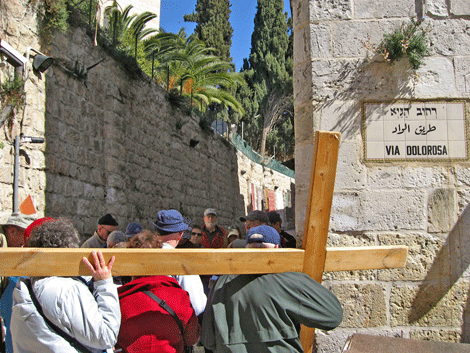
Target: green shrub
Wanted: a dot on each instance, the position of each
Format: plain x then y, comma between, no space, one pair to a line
409,40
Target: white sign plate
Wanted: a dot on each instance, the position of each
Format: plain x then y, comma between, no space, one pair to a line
410,131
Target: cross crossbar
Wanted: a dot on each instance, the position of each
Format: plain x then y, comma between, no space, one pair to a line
139,262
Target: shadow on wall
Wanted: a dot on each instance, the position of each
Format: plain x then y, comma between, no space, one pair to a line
454,254
358,81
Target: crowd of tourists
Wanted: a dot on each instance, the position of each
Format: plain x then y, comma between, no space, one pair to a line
106,313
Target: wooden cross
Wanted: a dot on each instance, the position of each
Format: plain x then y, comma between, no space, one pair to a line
312,259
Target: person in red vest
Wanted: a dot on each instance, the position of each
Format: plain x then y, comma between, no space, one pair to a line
149,325
213,236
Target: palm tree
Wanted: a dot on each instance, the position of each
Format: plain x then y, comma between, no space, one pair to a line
186,64
119,21
125,27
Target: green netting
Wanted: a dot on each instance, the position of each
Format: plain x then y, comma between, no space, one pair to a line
243,147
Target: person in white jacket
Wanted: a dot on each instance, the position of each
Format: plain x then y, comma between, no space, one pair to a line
89,314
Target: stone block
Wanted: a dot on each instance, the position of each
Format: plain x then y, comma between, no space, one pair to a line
428,257
462,74
327,10
303,90
346,212
350,37
366,9
384,177
435,79
459,7
6,174
341,116
430,304
393,210
437,8
462,175
425,177
303,124
446,335
450,38
441,210
364,304
320,39
463,200
331,341
350,171
302,45
13,8
300,13
83,207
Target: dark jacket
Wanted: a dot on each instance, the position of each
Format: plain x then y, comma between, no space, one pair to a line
259,313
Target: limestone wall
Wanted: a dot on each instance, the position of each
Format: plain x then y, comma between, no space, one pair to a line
19,28
113,143
420,204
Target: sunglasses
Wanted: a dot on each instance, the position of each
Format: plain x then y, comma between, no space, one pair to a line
198,234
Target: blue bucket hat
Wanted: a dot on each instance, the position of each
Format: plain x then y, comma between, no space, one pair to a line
263,234
170,221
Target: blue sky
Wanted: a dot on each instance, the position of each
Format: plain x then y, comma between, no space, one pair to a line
241,19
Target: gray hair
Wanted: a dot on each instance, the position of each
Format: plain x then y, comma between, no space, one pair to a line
115,237
58,233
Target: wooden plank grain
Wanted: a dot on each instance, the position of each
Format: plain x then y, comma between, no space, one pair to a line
317,219
366,257
139,262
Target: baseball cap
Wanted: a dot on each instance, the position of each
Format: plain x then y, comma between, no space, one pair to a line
210,211
263,234
233,231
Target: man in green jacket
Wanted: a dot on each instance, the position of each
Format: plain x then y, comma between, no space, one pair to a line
263,313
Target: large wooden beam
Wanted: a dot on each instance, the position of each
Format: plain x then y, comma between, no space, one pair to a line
366,257
138,262
317,219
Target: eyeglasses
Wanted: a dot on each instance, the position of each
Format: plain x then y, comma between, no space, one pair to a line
107,231
198,234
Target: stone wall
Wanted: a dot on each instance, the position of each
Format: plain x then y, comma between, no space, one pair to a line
19,28
115,144
423,205
118,145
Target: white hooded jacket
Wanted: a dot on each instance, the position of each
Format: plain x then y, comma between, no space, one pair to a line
93,319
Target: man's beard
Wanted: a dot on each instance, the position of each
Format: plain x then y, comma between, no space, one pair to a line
211,225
